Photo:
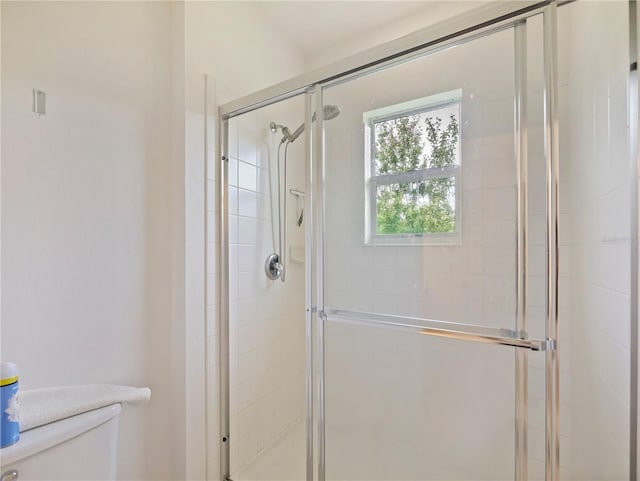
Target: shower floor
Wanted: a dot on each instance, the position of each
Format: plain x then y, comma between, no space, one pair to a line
284,460
355,458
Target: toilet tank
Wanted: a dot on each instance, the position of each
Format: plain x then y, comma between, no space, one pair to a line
81,447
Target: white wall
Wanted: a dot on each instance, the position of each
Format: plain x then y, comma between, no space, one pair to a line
434,11
103,204
86,207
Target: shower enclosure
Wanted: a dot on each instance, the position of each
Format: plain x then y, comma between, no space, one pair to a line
435,275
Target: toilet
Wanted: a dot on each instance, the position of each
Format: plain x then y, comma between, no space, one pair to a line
80,447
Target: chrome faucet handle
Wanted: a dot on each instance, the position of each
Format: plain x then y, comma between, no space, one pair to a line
273,267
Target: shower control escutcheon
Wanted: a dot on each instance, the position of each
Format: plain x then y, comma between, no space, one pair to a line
272,267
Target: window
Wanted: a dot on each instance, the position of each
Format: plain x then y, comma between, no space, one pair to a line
412,164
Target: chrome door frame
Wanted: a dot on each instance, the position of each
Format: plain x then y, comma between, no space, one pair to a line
634,284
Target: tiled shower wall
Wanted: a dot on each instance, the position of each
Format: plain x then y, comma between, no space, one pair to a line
266,316
600,220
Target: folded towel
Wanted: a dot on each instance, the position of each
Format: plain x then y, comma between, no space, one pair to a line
46,405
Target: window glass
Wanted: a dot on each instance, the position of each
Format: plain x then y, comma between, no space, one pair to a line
415,164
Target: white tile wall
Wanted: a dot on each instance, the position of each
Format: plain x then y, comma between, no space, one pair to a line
599,217
267,317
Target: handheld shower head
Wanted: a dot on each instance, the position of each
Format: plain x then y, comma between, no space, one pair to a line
330,112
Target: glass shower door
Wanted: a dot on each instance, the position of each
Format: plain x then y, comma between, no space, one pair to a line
427,367
265,172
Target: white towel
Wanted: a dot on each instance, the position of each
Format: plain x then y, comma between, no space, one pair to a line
46,405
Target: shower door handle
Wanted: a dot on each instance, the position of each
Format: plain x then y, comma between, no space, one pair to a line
451,330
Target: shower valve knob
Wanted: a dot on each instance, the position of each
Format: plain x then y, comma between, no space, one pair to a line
272,267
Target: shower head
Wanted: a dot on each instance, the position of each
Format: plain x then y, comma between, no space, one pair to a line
330,112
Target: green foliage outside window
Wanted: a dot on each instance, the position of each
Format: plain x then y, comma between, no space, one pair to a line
411,144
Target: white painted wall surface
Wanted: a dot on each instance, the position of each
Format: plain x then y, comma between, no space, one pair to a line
101,203
86,206
433,11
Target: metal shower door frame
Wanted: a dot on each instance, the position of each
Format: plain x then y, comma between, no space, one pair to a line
479,23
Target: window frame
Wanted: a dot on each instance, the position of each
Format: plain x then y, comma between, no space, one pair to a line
372,182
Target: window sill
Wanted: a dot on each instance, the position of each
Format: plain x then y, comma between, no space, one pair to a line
415,240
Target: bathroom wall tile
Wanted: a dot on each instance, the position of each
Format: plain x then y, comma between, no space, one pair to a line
233,138
472,206
246,366
233,286
233,229
232,170
246,393
248,420
264,207
497,263
262,152
499,202
234,347
248,311
247,285
247,231
233,258
264,179
247,203
234,322
247,258
247,176
212,165
233,200
247,448
248,338
247,137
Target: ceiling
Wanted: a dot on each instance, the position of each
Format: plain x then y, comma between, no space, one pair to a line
314,25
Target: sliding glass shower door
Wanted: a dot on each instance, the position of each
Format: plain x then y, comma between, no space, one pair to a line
436,306
411,201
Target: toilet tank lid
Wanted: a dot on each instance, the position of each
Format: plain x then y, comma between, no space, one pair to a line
47,405
44,437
